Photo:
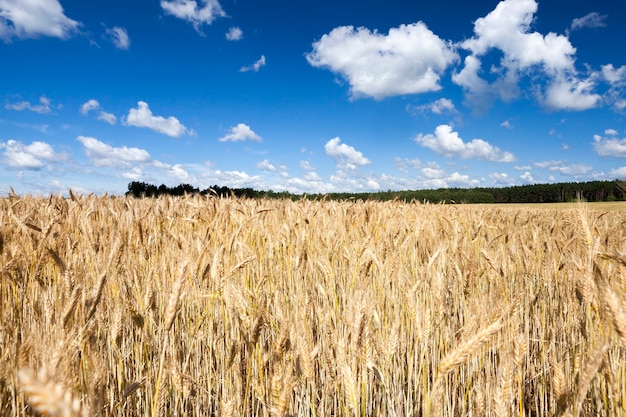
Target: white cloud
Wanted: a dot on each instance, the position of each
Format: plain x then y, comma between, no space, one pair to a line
33,18
616,78
619,173
239,179
108,156
190,11
107,117
346,181
403,164
29,157
614,75
234,34
610,132
408,60
432,176
42,107
241,132
432,172
312,176
574,170
119,37
502,178
345,154
571,94
507,28
609,146
310,183
447,142
266,165
441,106
94,105
591,20
135,174
89,105
306,165
525,53
477,89
179,173
254,67
142,117
528,177
506,124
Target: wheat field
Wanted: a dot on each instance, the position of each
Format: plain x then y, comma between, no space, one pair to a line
200,306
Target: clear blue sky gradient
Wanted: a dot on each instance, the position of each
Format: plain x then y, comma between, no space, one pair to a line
310,96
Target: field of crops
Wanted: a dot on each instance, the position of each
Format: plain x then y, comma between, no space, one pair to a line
224,307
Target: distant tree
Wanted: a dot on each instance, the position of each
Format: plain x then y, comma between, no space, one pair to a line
137,189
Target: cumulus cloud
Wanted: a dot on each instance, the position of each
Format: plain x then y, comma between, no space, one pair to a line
94,105
88,106
135,174
110,118
42,107
609,146
234,34
502,179
34,18
241,132
571,94
179,173
266,165
29,157
619,173
142,117
528,178
254,67
239,179
591,20
616,78
119,37
310,183
193,13
614,75
508,29
432,176
346,155
410,59
440,106
306,165
105,155
448,143
573,170
403,164
345,181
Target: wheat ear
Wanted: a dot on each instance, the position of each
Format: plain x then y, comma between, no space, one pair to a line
173,304
462,352
47,397
591,369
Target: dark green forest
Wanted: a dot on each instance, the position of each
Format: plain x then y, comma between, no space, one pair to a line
536,193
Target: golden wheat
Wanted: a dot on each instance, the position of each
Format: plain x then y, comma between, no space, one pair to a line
207,306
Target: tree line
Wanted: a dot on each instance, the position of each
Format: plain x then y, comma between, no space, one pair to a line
534,193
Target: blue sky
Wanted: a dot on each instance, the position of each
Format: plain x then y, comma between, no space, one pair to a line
310,97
